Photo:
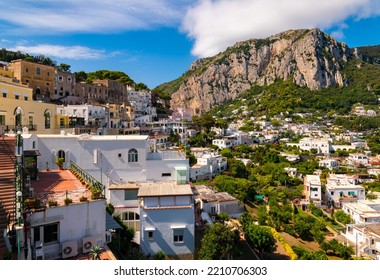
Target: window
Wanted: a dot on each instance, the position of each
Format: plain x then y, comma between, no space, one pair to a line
25,98
17,96
131,216
213,210
38,71
119,155
46,233
130,195
133,155
2,120
178,235
332,193
4,95
181,177
150,235
47,119
30,121
27,70
166,174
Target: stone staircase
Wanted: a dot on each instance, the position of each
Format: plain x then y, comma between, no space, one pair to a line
7,187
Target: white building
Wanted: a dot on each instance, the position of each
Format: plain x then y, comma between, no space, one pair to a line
363,211
207,166
358,159
213,203
66,231
92,115
292,171
365,238
330,164
342,188
111,158
313,188
322,145
224,143
167,219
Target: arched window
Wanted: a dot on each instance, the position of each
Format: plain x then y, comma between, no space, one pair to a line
47,117
18,116
62,154
133,156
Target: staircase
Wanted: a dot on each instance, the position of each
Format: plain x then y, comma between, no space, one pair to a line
7,187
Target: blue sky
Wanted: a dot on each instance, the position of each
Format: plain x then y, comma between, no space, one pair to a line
155,41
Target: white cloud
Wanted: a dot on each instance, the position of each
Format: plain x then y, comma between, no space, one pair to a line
66,52
217,24
94,16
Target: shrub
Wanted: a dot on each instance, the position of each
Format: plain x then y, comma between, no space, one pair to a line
68,201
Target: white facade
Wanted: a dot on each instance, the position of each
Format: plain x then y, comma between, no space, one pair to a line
358,159
59,227
167,220
363,211
208,165
112,159
223,143
322,145
329,164
313,188
365,238
214,203
342,188
92,115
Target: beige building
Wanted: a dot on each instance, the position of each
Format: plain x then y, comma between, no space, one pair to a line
64,88
18,110
37,76
101,92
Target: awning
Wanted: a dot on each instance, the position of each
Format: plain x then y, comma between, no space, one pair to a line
111,223
32,153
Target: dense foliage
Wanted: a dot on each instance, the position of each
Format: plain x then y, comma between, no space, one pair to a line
8,56
218,243
118,76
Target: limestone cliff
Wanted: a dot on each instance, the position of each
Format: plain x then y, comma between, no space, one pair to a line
310,58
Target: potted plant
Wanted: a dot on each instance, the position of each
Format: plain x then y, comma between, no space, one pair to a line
95,194
82,198
67,201
52,202
60,161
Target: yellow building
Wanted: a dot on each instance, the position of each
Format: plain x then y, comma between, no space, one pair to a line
18,110
39,77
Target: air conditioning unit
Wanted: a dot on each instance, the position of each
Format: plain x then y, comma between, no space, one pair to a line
88,243
108,237
69,249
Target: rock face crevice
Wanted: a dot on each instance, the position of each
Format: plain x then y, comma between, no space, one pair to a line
310,58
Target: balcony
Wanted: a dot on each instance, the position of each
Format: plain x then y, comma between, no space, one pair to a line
8,128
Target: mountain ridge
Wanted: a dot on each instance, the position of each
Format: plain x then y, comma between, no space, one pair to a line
309,57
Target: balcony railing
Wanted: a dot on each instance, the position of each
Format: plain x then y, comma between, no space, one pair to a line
8,128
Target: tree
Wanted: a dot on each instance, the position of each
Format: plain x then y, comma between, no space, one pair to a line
217,243
206,121
303,254
342,217
261,239
63,67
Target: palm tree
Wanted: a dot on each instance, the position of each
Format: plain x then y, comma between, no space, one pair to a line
96,252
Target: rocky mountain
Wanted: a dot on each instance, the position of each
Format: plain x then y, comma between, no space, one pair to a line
310,58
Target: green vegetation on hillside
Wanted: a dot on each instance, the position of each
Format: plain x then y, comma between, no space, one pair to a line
363,87
371,54
118,76
8,56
